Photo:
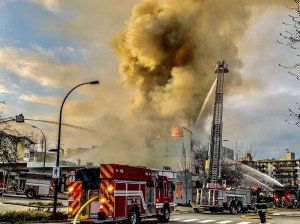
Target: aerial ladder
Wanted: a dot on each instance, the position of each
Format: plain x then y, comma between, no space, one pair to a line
214,171
215,196
19,119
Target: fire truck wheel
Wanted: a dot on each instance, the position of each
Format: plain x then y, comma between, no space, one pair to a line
239,207
30,193
233,209
166,214
133,216
244,210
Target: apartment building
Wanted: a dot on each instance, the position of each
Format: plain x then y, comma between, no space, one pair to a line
286,170
18,148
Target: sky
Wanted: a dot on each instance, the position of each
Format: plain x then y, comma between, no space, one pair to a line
155,62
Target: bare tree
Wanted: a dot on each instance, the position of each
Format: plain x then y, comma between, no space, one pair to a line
199,160
185,176
232,172
10,138
240,150
291,38
235,171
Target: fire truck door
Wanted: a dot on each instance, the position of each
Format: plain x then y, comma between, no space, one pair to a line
150,197
163,188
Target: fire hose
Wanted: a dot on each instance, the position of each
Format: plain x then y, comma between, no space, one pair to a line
83,207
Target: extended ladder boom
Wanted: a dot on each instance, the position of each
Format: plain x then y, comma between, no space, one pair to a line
216,129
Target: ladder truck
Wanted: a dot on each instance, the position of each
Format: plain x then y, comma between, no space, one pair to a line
215,196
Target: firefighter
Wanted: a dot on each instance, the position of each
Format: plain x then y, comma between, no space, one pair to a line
261,207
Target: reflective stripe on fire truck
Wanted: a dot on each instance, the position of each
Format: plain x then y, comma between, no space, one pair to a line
106,171
74,198
161,205
106,199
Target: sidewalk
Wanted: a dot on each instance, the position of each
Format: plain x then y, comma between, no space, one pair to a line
62,195
185,209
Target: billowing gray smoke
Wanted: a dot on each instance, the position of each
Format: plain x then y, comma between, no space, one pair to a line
167,51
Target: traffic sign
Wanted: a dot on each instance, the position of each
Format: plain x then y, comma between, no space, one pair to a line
56,172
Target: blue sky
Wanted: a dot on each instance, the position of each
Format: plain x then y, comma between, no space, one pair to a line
47,47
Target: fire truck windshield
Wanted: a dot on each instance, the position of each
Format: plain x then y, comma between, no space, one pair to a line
90,178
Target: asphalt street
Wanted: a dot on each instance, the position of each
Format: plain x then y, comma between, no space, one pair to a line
181,215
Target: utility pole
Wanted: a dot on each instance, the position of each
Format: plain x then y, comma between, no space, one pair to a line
217,125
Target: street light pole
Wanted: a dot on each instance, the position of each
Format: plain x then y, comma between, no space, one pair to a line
59,134
45,148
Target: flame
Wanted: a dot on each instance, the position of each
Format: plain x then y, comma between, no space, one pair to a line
176,132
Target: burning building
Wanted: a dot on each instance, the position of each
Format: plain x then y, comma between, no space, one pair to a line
173,147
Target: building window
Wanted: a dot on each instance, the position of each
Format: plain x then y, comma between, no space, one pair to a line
4,143
197,170
31,154
178,190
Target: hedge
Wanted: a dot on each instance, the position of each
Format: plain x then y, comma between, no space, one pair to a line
32,215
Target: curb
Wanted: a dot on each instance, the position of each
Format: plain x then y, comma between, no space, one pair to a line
254,216
287,215
61,197
269,215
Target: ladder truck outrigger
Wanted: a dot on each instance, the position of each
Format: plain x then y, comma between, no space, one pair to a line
215,196
117,193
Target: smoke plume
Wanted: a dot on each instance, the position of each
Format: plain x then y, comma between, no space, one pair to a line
167,51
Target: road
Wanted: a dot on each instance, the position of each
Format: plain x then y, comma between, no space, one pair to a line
223,219
178,217
213,218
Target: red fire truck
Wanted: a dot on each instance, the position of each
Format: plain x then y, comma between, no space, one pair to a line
284,198
35,185
122,193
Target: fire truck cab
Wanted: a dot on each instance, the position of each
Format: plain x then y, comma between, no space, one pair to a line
124,193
